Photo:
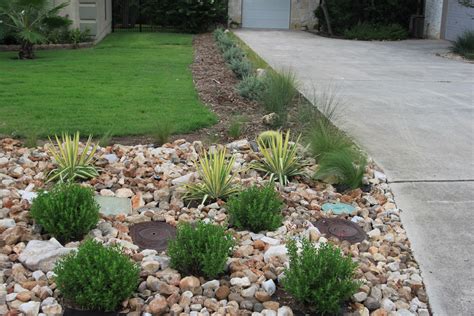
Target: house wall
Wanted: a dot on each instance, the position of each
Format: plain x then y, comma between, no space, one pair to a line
456,20
302,13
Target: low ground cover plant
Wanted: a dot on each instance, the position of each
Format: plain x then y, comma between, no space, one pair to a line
250,87
72,164
464,45
256,209
280,158
67,212
96,277
216,178
377,32
321,278
200,249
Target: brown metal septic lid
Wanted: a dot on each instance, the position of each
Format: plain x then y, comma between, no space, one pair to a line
152,235
342,229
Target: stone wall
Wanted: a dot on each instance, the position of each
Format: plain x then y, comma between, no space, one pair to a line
302,13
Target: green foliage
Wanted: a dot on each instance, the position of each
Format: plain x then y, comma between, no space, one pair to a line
241,67
345,14
256,209
162,133
192,16
280,158
96,277
233,53
267,137
280,89
200,249
464,45
28,20
325,138
235,128
253,57
67,212
224,42
345,166
72,165
377,32
321,278
216,178
106,139
250,87
31,140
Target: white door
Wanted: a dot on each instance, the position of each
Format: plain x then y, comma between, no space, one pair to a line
458,20
271,14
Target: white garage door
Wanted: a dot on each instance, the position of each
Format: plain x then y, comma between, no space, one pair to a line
458,20
273,14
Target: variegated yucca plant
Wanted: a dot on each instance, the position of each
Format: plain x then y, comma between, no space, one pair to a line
280,157
216,178
73,164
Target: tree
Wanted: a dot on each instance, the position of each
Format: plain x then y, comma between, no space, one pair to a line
28,19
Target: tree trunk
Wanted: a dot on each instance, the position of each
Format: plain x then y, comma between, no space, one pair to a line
326,17
26,51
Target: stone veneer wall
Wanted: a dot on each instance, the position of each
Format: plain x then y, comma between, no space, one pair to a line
302,13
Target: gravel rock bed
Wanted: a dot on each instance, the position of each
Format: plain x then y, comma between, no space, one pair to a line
152,178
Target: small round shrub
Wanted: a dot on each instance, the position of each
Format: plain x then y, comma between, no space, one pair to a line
241,67
267,137
250,87
200,249
321,278
256,209
232,53
67,212
96,277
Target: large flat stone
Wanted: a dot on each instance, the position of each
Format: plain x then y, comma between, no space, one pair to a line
42,254
111,205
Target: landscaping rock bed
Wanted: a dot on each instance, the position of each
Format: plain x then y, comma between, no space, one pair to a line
152,178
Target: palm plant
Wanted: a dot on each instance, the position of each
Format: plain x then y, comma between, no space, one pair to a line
216,178
28,20
72,165
280,158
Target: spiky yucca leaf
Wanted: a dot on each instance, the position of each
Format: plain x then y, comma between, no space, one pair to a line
216,178
72,165
280,158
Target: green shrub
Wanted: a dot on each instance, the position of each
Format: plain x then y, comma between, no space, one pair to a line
325,138
345,166
162,133
200,250
96,277
106,139
218,34
250,87
377,32
321,278
67,212
241,67
216,178
235,128
280,158
256,209
280,89
464,45
225,43
233,53
268,137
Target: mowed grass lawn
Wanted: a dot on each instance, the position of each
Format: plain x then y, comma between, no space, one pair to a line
128,84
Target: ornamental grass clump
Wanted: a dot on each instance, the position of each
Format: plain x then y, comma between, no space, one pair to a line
73,164
67,212
96,277
280,158
321,278
464,45
200,249
256,209
216,178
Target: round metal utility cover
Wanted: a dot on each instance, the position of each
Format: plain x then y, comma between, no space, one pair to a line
341,228
152,235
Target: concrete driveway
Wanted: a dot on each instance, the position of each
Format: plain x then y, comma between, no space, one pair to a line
413,112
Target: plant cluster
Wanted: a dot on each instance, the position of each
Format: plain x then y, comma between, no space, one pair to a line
200,249
345,15
377,32
67,212
162,133
96,277
464,45
280,158
72,164
250,87
256,209
236,127
216,178
321,278
233,54
66,36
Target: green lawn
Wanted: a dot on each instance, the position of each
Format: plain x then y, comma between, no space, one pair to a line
128,84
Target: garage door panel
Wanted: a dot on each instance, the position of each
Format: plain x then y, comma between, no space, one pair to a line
458,20
266,14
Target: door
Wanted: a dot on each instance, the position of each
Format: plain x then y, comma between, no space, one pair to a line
271,14
458,19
